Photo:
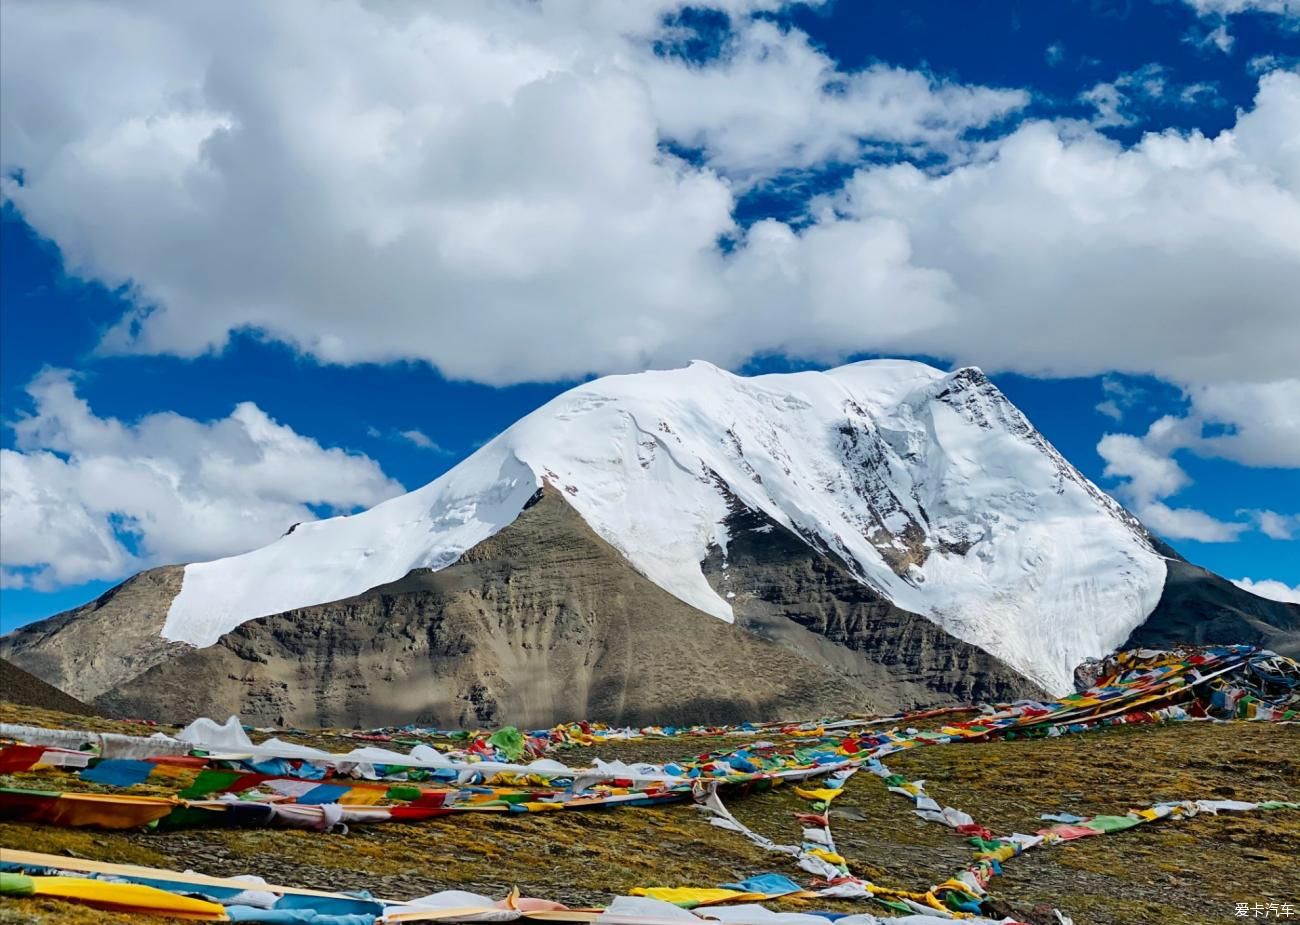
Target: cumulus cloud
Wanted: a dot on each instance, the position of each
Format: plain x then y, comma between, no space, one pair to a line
86,497
481,186
1255,424
1148,475
1068,254
773,102
487,187
1273,590
1184,523
1149,471
1274,525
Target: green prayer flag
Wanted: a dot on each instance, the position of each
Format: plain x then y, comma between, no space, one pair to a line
16,885
509,740
1111,823
208,781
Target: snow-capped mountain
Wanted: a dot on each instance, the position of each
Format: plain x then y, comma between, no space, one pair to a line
931,487
670,547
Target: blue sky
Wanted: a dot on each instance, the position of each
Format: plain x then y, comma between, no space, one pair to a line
243,284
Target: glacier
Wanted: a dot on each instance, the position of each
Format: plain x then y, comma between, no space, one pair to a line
930,486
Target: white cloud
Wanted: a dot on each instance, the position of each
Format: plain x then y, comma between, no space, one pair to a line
1219,37
1255,424
1274,525
422,440
1054,54
1119,397
1184,523
48,533
1071,255
1150,473
85,497
774,102
1262,64
413,436
373,204
1110,103
482,186
1232,7
1273,590
1200,94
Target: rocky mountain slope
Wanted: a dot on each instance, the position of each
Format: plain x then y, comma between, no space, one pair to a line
86,650
546,620
673,545
1199,607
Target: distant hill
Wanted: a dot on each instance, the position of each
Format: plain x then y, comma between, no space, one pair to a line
17,686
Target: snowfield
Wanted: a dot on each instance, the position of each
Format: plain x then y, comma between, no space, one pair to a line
931,487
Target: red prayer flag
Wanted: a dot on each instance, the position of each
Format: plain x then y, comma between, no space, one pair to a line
17,758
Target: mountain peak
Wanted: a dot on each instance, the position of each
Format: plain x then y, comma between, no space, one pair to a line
930,486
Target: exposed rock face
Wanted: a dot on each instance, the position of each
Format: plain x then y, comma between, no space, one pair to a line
87,650
1201,608
786,591
545,622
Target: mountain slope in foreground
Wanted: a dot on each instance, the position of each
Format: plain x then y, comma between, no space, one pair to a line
20,687
904,534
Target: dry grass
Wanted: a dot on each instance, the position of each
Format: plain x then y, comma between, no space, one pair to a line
1170,872
1179,873
34,716
53,912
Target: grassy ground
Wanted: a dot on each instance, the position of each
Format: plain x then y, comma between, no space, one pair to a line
34,716
1188,871
52,912
1176,873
